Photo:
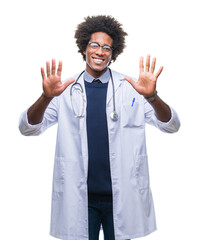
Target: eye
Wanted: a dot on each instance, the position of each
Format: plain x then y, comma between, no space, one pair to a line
93,44
107,48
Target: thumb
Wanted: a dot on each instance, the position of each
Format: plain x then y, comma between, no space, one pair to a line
131,81
68,82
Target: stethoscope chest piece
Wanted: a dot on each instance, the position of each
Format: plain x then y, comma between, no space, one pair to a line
114,116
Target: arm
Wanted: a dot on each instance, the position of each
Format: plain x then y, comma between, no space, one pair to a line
146,86
162,110
36,111
52,86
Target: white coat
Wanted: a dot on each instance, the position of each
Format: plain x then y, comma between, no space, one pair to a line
133,209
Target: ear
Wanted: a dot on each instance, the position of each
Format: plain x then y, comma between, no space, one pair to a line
110,62
84,55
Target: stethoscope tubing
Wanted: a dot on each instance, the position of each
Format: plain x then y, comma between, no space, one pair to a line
113,115
76,83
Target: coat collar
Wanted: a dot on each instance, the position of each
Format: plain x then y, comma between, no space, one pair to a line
118,78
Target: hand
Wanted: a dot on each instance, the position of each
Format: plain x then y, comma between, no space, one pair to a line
146,83
52,85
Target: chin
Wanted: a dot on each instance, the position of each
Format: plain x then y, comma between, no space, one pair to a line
98,68
95,69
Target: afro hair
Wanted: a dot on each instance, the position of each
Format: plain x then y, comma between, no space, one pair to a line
100,23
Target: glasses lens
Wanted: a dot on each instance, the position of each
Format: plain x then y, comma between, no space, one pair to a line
107,48
94,45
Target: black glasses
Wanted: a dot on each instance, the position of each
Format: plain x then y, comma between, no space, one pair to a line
95,46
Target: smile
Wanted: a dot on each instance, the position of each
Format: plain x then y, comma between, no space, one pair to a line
98,60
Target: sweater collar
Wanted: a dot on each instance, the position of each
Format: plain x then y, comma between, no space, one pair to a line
104,78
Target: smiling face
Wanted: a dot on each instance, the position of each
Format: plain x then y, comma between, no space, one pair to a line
97,60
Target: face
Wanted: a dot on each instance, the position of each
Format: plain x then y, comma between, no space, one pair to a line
97,60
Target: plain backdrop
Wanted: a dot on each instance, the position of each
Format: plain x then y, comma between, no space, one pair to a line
33,32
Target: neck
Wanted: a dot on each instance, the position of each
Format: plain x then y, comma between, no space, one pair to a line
96,74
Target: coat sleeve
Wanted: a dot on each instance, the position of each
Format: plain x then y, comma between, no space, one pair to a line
49,119
171,126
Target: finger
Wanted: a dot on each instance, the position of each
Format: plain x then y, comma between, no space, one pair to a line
53,67
48,68
43,73
159,71
59,69
147,63
153,65
141,65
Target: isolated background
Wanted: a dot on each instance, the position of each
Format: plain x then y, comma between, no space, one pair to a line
35,31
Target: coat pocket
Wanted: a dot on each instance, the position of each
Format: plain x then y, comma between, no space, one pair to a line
59,173
132,116
142,172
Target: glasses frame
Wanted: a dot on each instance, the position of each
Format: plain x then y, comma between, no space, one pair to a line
102,46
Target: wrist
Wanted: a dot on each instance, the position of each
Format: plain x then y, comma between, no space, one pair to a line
46,97
152,98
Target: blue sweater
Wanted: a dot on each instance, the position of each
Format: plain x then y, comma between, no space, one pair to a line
99,178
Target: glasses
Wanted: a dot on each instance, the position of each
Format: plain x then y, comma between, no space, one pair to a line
95,46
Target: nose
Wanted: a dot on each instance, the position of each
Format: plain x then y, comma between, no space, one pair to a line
99,51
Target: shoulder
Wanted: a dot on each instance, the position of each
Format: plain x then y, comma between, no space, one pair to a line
128,91
117,75
121,76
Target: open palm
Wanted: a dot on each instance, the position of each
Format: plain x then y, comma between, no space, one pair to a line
52,85
146,83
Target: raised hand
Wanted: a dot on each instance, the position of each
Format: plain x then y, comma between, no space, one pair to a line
146,83
52,85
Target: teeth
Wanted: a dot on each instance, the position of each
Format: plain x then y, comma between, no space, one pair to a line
98,60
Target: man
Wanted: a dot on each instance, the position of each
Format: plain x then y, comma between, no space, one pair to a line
101,168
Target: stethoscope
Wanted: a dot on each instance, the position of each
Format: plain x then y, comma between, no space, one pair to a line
113,115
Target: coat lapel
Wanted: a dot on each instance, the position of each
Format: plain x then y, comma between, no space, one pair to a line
117,80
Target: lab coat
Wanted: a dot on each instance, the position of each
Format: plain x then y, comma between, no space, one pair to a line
133,208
